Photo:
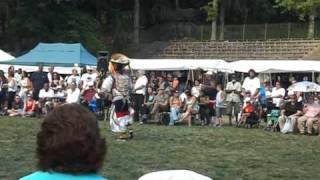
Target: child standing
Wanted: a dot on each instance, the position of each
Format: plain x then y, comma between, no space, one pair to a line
219,105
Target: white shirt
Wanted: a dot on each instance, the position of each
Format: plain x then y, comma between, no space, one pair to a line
233,97
141,81
174,175
46,94
74,78
12,85
251,84
195,91
73,96
183,97
277,92
86,78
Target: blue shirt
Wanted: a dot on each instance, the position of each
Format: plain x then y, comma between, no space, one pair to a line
39,175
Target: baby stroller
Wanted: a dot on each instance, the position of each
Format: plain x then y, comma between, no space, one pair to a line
249,115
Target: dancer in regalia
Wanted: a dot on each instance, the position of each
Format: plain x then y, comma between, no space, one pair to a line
119,85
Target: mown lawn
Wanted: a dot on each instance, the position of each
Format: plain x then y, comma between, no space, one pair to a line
221,153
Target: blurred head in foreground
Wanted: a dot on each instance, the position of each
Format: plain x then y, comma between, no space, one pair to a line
69,141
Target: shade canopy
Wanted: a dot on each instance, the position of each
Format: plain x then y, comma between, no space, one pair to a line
179,64
275,66
56,54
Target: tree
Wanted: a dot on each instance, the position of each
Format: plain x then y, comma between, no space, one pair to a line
304,8
136,23
212,12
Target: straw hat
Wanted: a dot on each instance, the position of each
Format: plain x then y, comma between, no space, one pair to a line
119,59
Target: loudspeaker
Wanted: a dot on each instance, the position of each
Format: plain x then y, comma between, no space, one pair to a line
103,61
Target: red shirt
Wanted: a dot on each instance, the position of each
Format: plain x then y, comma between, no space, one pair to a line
249,108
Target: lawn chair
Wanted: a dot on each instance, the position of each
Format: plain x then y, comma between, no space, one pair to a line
273,120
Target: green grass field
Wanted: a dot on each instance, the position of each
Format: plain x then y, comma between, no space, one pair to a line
221,153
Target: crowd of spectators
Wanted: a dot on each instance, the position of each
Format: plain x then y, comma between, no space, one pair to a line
169,98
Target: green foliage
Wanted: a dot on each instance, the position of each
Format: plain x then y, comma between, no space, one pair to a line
211,9
303,7
54,22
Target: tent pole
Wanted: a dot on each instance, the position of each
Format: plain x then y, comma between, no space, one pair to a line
313,76
270,79
186,85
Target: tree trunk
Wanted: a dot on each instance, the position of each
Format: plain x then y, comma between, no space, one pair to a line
222,17
177,4
214,24
214,30
311,25
136,23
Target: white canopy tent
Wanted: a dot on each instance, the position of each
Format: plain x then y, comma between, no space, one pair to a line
5,56
180,64
276,66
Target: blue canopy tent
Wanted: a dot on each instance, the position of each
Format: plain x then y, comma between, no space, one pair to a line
56,54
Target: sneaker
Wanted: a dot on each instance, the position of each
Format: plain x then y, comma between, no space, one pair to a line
141,122
130,134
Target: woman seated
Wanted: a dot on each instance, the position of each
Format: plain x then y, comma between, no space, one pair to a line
248,110
17,107
191,107
69,145
147,105
175,105
29,107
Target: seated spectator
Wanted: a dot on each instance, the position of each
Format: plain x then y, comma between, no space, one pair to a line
310,115
74,77
56,80
45,99
175,105
175,83
89,93
59,96
191,107
17,107
161,102
29,107
292,109
73,93
148,104
69,146
247,111
195,91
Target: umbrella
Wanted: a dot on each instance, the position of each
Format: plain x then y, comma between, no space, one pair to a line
304,86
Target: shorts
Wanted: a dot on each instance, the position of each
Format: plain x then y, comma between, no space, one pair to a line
233,107
219,112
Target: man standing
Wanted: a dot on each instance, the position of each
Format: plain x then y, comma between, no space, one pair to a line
251,84
139,94
119,85
38,80
88,77
233,91
277,95
50,74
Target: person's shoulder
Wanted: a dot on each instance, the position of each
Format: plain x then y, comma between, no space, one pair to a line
60,176
35,176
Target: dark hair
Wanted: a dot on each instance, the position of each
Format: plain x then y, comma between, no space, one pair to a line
252,70
69,141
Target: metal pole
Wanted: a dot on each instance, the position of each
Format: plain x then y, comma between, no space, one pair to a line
289,30
243,31
265,31
313,77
